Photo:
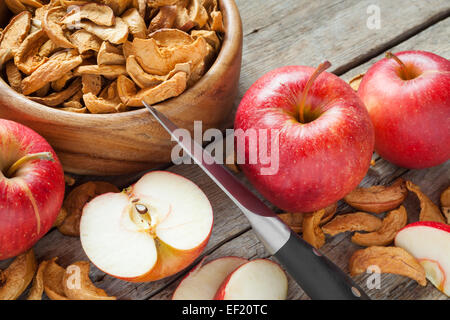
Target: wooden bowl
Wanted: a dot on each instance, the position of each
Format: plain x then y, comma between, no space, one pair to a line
133,141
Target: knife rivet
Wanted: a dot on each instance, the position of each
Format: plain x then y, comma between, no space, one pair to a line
317,253
356,292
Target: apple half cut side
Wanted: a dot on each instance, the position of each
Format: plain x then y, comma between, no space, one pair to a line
152,230
202,282
429,243
259,279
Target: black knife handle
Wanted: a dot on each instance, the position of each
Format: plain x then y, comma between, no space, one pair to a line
320,278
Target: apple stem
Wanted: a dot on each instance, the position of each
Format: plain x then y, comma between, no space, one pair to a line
390,55
321,68
29,157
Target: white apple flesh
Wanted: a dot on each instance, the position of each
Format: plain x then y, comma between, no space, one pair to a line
259,279
429,243
203,281
154,229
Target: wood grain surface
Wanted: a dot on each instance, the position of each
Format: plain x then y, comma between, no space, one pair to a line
278,33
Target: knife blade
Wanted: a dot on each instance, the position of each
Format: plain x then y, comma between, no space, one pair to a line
315,274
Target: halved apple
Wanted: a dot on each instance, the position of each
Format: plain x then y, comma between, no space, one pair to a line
204,280
259,279
429,243
152,230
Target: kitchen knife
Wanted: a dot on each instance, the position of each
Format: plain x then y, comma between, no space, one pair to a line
316,275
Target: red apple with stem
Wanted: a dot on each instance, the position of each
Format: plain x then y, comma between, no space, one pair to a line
408,99
325,136
31,188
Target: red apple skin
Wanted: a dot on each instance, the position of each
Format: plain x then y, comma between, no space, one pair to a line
431,224
29,202
411,117
320,161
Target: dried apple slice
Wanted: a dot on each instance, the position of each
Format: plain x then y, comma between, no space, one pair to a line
37,289
62,215
91,83
53,28
148,232
78,286
13,35
445,204
135,22
210,36
100,14
171,38
116,34
27,57
377,199
355,81
53,280
15,6
295,220
48,48
85,41
164,19
60,84
33,3
16,278
118,6
57,98
390,260
69,3
428,210
168,89
58,64
42,92
160,3
191,15
217,22
161,61
312,233
109,55
14,76
99,105
392,223
358,221
112,71
145,80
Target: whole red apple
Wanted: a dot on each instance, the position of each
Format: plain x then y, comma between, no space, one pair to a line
408,99
325,137
31,188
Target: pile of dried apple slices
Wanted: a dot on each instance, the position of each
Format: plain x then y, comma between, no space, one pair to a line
108,56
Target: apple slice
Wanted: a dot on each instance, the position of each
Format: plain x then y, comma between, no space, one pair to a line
203,281
259,279
152,230
429,243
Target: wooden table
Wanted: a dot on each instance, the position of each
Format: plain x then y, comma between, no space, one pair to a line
290,32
